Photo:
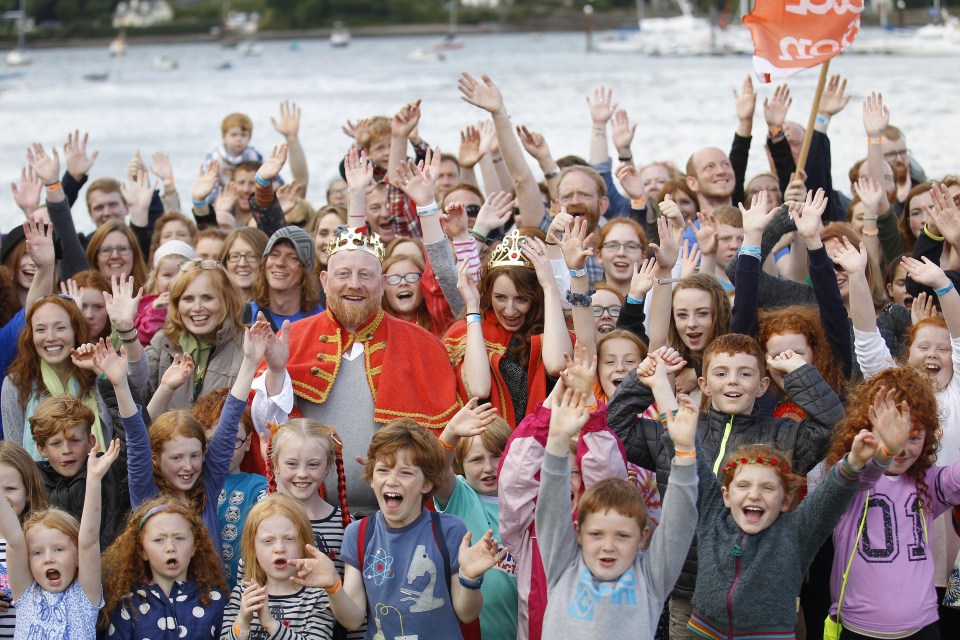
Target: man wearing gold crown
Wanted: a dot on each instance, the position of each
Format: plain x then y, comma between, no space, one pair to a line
355,367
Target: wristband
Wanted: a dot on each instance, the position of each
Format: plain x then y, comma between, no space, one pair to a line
260,181
467,583
130,330
473,317
870,232
446,445
944,290
625,158
332,590
479,236
428,210
885,452
578,273
498,159
822,119
240,634
871,217
750,251
684,454
931,235
776,131
872,140
136,335
633,300
551,174
53,187
199,204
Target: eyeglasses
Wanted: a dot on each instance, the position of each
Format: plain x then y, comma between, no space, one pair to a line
186,265
890,155
123,250
613,310
240,442
472,210
615,246
235,258
411,277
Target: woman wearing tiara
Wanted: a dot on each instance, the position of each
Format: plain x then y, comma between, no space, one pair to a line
513,336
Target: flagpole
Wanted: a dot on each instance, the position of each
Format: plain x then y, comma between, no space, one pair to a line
812,120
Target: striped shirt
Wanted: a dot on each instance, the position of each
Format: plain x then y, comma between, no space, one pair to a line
304,615
8,618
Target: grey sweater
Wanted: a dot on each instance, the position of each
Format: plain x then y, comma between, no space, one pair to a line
578,606
753,580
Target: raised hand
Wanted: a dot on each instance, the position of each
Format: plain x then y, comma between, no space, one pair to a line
162,167
775,108
785,362
206,181
454,218
707,233
865,445
470,153
135,166
253,600
417,180
70,288
112,364
602,106
926,273
75,154
872,195
576,246
357,171
27,195
256,339
472,420
758,216
39,241
944,213
923,307
832,101
179,371
796,189
534,144
288,125
97,466
483,94
227,197
82,357
671,210
488,136
496,211
850,258
138,191
46,167
406,120
122,303
671,358
629,179
876,116
278,348
622,132
481,557
890,422
536,252
808,217
580,370
668,250
287,196
468,288
642,281
272,165
746,99
568,414
689,259
317,570
682,425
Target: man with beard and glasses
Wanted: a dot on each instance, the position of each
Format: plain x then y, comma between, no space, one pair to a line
354,367
906,170
583,193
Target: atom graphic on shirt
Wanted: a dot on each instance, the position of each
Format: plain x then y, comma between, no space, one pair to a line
378,567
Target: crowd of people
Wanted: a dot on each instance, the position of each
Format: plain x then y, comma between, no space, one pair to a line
456,401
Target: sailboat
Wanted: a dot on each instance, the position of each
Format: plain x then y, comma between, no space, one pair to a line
450,41
19,56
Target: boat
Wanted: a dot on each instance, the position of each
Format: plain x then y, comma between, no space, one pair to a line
19,57
238,26
340,35
941,39
450,42
422,54
101,76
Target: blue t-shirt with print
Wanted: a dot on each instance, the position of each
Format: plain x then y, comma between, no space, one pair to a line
240,492
402,571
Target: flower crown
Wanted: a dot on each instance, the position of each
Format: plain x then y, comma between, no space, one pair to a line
347,239
508,254
731,466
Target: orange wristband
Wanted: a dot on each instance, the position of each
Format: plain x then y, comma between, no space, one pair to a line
238,633
446,445
884,451
685,454
52,187
332,590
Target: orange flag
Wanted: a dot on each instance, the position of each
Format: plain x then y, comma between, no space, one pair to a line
792,35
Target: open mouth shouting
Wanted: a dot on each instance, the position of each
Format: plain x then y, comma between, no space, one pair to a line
392,500
753,514
694,338
53,577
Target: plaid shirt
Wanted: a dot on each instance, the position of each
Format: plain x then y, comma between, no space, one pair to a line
402,210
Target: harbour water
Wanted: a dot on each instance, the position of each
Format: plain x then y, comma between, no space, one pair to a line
681,104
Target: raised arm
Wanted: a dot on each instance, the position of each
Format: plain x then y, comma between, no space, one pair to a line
401,126
472,420
358,172
931,275
200,196
39,243
486,95
18,562
469,155
88,570
475,370
576,249
876,117
288,125
666,254
556,338
536,145
602,107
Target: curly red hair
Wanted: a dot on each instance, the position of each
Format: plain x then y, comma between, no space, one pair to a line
805,321
911,385
124,566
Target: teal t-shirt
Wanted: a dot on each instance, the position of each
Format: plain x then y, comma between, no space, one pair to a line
498,619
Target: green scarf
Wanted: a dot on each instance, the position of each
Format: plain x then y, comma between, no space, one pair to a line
200,351
55,388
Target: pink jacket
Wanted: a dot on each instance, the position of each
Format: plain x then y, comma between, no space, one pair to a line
600,455
149,320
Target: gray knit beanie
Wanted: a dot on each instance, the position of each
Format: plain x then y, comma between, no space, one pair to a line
301,241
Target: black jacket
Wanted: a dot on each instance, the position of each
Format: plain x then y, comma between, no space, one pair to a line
805,442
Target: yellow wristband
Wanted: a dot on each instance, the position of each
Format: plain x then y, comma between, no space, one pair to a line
926,230
332,590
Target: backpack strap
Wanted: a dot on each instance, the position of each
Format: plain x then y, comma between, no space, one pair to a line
441,541
363,539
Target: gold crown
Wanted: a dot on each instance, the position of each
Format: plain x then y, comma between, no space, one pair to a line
508,254
346,239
